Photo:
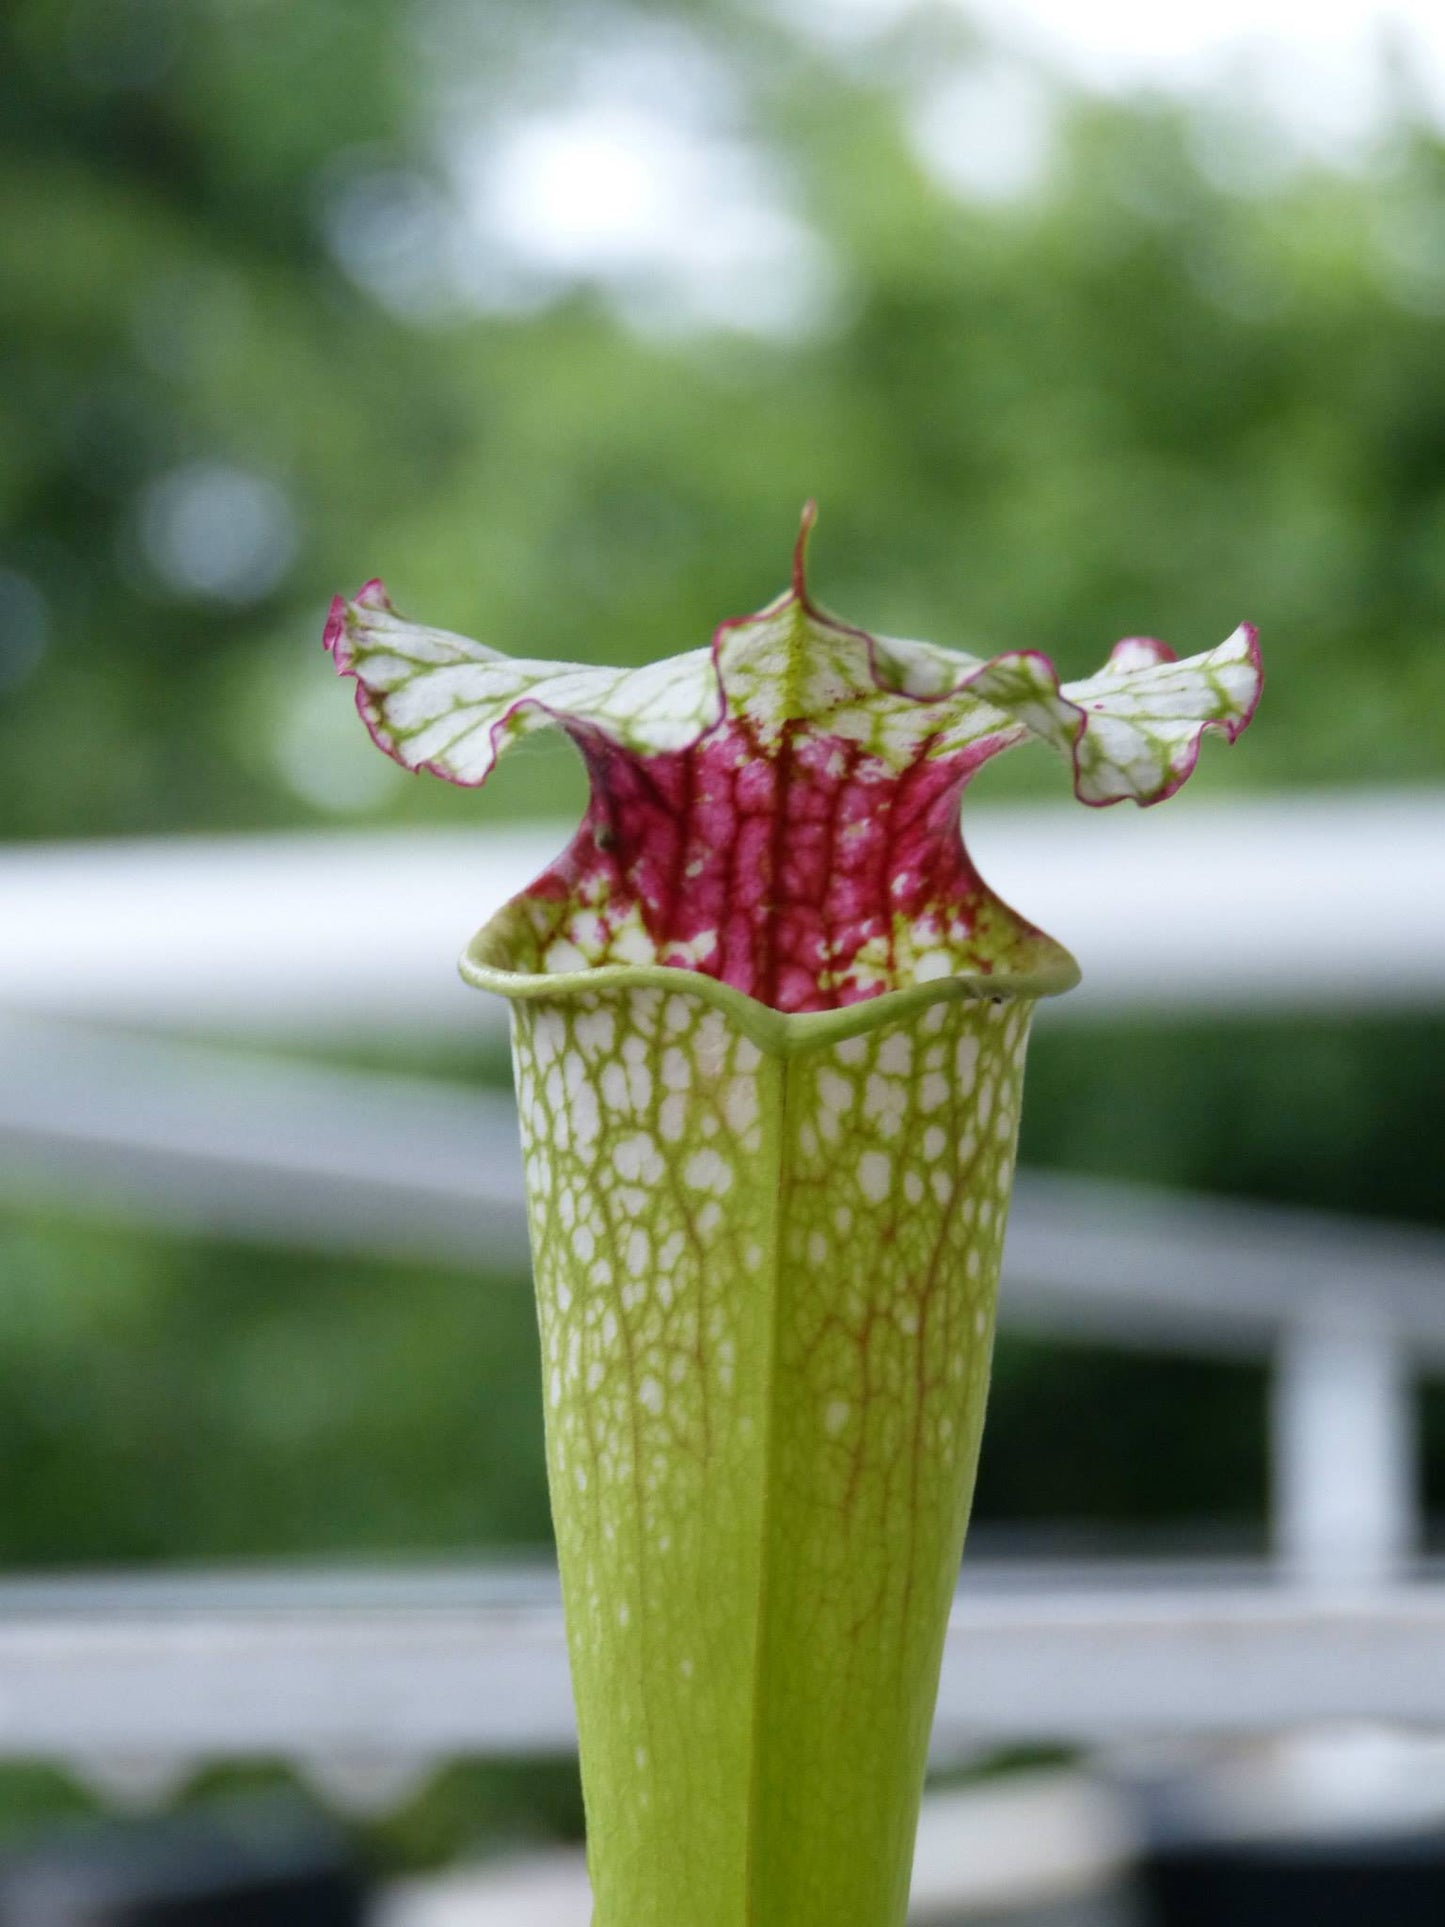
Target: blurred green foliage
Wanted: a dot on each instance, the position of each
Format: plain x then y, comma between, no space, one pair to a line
162,1397
1136,401
1160,394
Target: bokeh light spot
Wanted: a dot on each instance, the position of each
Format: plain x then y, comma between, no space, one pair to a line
216,532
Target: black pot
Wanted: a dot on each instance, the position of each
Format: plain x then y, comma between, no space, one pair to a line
236,1867
1379,1880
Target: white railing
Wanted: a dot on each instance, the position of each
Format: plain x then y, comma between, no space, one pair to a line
394,1674
216,1141
1332,902
1320,903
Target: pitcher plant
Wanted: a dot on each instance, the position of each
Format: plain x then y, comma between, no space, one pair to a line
769,1028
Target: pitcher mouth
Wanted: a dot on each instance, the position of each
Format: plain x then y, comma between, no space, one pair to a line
490,960
775,821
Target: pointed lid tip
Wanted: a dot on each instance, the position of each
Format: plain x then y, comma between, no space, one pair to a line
800,549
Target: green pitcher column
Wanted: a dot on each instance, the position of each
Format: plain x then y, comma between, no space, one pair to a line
766,1273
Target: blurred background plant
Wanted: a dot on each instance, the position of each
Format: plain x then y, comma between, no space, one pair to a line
554,316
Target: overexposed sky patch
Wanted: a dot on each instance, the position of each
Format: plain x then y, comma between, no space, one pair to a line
1120,41
677,221
1314,62
985,130
1317,67
627,164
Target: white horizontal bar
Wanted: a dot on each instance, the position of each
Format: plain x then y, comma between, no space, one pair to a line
330,933
1328,901
428,1683
1184,1271
222,1143
1332,900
